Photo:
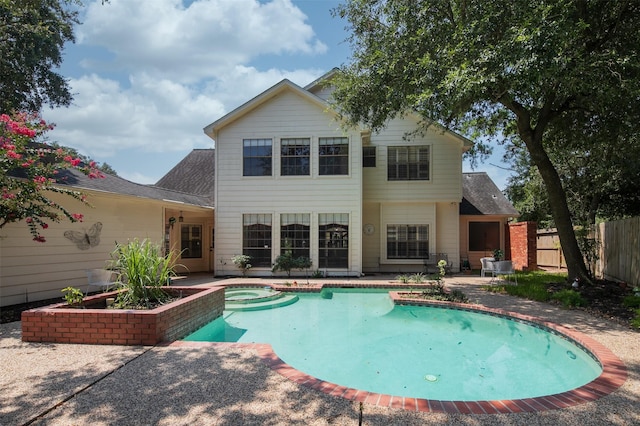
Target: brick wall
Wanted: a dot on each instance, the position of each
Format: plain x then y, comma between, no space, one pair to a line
173,321
521,244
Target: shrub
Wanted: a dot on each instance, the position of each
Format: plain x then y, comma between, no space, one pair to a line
286,262
632,301
636,321
73,296
418,278
569,298
243,262
142,271
403,278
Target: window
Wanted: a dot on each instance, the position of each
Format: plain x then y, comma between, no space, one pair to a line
484,236
333,240
295,234
408,163
334,156
191,241
256,238
295,154
256,157
368,156
407,241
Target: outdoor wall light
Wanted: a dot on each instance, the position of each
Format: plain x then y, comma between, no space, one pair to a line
180,218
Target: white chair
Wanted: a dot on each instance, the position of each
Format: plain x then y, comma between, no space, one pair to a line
504,267
487,265
99,278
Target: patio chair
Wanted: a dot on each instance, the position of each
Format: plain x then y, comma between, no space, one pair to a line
504,267
99,278
487,266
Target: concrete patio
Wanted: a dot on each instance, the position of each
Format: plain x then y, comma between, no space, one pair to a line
64,384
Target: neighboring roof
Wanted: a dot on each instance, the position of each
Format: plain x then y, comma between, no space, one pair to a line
117,185
284,85
195,174
480,196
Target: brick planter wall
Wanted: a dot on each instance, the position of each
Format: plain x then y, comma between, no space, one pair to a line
60,324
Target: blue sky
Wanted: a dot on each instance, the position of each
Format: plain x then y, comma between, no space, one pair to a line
148,75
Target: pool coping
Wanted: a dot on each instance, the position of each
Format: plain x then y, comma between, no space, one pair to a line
613,376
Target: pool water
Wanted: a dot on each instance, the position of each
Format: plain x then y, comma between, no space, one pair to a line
359,339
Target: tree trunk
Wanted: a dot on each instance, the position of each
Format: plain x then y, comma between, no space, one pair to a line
532,138
559,207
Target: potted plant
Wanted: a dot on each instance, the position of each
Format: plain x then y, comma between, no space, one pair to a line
498,255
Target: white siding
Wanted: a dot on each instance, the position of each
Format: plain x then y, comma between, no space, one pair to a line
445,183
31,271
36,271
285,116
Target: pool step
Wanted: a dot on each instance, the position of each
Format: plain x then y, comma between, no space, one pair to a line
263,303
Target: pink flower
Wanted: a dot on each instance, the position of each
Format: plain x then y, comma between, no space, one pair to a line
78,216
28,220
40,179
39,239
14,155
45,226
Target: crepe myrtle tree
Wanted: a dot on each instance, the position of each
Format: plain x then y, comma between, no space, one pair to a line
503,71
28,172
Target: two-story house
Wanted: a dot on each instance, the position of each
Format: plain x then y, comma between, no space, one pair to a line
289,177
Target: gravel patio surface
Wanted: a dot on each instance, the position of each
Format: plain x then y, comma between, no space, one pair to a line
64,384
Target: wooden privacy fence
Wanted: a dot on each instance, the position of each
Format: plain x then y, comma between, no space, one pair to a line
548,252
618,245
619,250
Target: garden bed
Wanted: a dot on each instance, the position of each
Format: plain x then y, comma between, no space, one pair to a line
93,324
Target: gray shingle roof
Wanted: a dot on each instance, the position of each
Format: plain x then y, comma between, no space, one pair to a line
480,196
118,185
194,174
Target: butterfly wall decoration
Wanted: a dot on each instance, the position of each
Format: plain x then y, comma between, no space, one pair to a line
87,238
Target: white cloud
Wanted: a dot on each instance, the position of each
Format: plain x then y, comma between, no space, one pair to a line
170,70
199,41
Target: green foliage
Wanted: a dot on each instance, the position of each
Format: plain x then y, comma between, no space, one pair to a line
498,254
142,271
403,278
32,38
417,278
569,298
73,296
243,262
317,274
635,322
286,262
553,78
28,173
631,301
531,285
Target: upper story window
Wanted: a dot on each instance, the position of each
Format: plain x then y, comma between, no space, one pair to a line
333,156
368,156
256,157
295,157
408,162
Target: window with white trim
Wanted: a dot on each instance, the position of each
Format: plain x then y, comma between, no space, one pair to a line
295,234
295,157
408,162
333,240
333,156
256,238
257,157
407,241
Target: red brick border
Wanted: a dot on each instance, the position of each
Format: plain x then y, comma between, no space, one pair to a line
58,324
614,374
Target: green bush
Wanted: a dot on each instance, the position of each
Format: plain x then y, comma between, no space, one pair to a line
142,271
632,301
569,298
636,321
286,262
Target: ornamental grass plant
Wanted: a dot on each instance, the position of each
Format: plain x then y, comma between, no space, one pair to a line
142,272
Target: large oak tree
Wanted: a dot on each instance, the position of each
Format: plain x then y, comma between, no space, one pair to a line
512,70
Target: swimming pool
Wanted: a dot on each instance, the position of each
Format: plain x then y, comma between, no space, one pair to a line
359,339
